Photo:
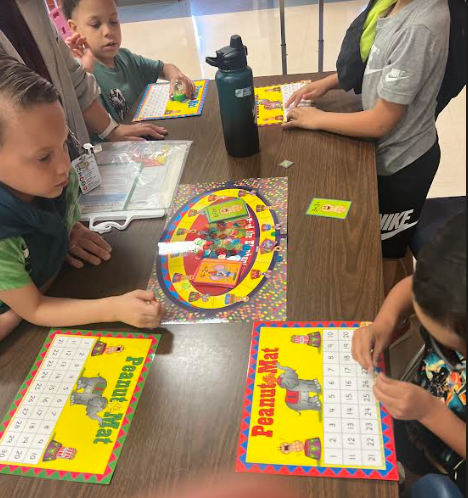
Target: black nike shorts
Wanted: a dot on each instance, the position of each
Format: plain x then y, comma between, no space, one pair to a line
401,198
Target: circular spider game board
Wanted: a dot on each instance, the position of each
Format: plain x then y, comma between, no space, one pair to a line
221,249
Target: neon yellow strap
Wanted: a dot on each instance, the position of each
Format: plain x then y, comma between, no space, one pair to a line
370,28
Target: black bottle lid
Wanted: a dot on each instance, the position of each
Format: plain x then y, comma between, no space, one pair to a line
232,57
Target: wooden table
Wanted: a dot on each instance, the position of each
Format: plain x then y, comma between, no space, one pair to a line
188,420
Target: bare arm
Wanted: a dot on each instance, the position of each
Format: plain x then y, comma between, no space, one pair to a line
10,320
370,342
97,120
138,308
376,123
398,306
407,402
333,82
96,117
448,427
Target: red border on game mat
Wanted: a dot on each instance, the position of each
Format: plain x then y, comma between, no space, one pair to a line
390,474
81,476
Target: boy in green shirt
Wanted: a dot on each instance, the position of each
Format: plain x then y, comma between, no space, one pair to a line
39,215
122,75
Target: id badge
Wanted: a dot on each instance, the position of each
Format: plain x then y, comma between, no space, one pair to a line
88,173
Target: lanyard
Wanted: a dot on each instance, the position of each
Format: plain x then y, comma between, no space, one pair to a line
74,146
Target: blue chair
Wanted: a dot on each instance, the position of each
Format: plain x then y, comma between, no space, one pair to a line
436,214
434,486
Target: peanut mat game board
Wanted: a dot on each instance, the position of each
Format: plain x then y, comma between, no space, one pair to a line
310,409
223,255
72,415
271,102
157,103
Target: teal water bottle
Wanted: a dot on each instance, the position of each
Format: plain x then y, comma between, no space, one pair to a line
235,84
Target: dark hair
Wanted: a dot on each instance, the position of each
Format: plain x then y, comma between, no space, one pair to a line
69,7
440,279
22,87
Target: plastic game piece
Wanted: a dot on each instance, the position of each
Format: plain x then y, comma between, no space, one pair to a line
178,94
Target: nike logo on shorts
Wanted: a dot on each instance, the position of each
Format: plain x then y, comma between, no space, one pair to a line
393,224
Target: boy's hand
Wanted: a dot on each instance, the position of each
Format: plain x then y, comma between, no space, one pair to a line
138,309
88,246
308,118
189,85
404,401
137,133
312,91
369,343
80,48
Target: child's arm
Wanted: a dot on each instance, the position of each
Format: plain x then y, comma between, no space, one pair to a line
138,308
409,402
447,426
376,123
412,55
314,90
370,342
8,322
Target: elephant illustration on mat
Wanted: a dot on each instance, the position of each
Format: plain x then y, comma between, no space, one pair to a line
91,396
298,391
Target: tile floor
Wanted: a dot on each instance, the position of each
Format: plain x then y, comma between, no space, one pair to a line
187,31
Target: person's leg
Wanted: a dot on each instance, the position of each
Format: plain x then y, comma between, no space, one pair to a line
402,197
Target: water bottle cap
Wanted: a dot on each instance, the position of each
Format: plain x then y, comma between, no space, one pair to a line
232,57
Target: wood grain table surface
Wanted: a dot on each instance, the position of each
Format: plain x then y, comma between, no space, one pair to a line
187,423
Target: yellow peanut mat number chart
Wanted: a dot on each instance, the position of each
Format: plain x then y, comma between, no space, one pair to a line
72,415
309,407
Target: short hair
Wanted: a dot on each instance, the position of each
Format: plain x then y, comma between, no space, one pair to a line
69,7
22,88
440,278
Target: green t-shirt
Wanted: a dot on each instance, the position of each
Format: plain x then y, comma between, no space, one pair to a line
14,252
122,85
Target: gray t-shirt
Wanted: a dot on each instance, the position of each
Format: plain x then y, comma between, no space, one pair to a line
407,66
